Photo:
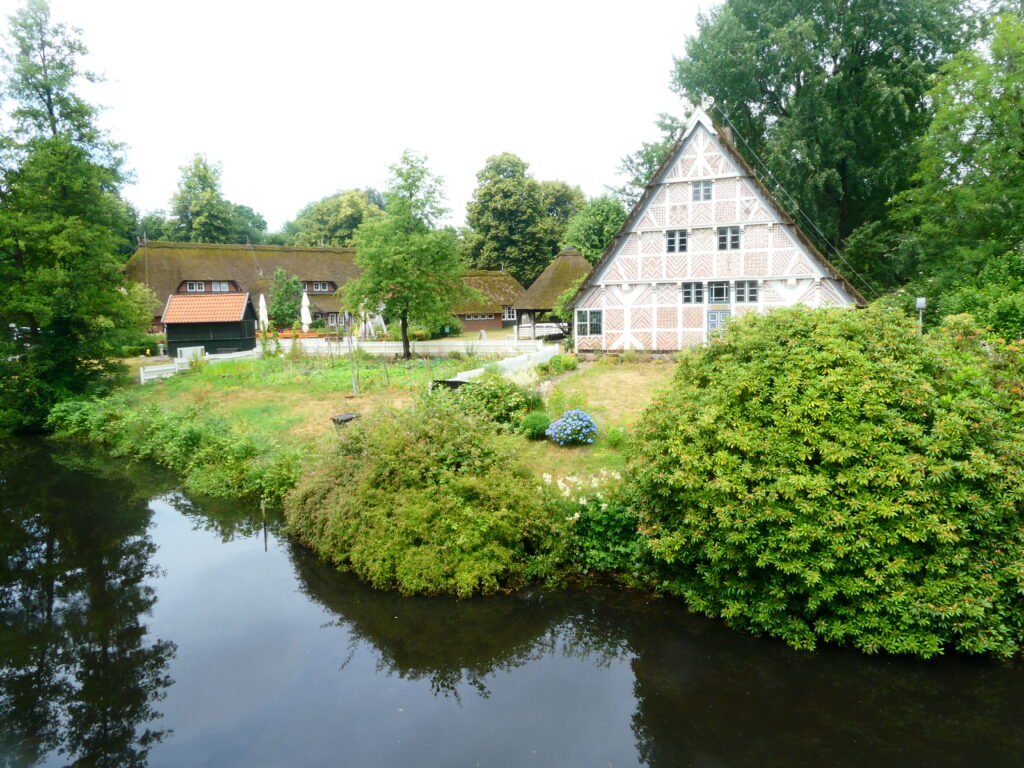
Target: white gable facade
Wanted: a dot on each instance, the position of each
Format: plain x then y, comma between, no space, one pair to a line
705,244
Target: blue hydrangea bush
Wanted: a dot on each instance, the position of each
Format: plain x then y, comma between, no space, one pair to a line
575,427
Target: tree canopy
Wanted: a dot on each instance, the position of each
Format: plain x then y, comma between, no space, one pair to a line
960,227
201,214
332,220
591,229
515,221
409,266
285,299
65,307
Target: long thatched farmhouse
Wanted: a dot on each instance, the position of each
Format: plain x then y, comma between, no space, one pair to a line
208,268
707,241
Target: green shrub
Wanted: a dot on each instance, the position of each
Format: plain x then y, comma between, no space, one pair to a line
210,457
534,425
495,398
563,363
424,501
830,475
615,437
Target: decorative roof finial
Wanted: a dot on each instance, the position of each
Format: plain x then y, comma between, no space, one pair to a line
707,102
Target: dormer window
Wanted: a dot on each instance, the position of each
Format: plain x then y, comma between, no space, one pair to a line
193,286
219,286
316,287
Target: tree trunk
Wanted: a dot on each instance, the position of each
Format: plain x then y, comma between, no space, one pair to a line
405,336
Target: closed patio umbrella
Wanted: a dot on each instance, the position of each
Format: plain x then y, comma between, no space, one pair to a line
304,315
264,318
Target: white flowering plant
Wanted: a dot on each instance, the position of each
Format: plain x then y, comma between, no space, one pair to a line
574,427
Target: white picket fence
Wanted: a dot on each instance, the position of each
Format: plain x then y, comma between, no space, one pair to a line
184,360
500,348
539,330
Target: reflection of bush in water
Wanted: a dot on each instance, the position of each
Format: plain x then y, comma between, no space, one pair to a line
451,642
709,696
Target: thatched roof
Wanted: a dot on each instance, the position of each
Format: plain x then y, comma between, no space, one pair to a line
568,267
205,308
162,266
498,288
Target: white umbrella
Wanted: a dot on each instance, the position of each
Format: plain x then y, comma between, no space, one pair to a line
304,315
264,318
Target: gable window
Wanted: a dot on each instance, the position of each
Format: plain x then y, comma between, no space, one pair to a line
693,293
675,241
193,286
588,322
508,313
718,293
728,238
219,286
701,191
746,291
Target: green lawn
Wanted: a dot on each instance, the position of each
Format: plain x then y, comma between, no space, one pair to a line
291,401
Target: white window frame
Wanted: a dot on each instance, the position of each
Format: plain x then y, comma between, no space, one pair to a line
746,291
220,286
675,240
508,313
321,287
589,322
719,292
728,238
701,191
693,293
332,319
480,317
195,286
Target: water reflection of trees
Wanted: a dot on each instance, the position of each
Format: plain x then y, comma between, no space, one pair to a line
704,695
78,674
458,644
227,518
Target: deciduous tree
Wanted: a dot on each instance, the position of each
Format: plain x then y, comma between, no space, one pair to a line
201,214
332,220
65,307
409,267
591,230
285,299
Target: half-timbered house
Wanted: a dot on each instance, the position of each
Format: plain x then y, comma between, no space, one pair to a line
706,242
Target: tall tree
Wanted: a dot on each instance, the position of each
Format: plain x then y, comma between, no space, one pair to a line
65,307
559,202
409,267
332,220
591,230
960,227
828,96
285,299
503,217
201,214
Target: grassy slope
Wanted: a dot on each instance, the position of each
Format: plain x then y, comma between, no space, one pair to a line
291,401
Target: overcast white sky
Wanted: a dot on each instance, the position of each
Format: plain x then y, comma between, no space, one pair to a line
300,99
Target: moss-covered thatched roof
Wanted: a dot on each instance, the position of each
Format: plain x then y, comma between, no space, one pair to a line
561,274
498,288
162,266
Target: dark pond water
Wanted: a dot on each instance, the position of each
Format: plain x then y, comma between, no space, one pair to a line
139,627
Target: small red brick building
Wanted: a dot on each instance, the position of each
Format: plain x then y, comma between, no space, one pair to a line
500,292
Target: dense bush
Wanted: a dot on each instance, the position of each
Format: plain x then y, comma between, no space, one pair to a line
210,457
558,364
425,501
574,427
830,475
495,398
535,425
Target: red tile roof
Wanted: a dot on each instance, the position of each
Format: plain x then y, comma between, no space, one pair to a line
205,308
